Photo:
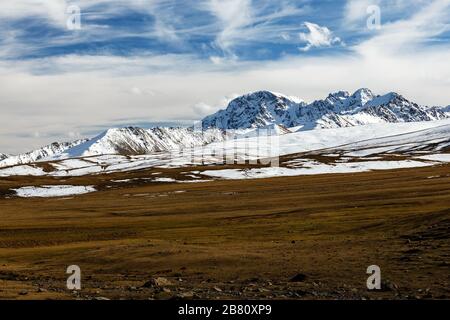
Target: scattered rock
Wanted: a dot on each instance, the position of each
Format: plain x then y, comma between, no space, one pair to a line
301,293
217,289
158,282
387,285
300,277
23,292
186,295
41,290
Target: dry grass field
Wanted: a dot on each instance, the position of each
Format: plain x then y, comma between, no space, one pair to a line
231,239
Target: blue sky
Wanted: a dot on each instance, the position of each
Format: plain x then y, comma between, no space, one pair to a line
224,29
167,61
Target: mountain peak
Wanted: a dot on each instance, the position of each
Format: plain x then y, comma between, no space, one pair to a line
446,109
262,95
262,108
364,95
339,94
259,93
254,110
129,129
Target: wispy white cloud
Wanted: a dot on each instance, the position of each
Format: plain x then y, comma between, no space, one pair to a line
233,16
409,33
318,36
226,24
54,11
241,21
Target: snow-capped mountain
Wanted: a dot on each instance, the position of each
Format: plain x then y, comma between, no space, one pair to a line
254,110
39,154
268,112
339,109
351,149
138,141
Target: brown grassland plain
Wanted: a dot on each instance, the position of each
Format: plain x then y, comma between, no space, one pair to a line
231,239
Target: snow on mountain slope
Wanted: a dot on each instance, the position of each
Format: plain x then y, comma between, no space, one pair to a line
310,140
293,146
339,109
434,139
135,141
39,154
3,156
269,130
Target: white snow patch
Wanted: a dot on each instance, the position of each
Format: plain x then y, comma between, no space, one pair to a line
368,152
21,171
193,181
236,174
164,180
71,163
443,157
53,191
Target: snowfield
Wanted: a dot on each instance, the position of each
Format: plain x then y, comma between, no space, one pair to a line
52,191
348,145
